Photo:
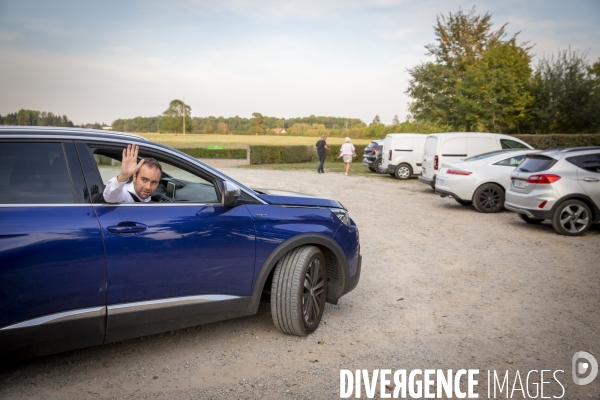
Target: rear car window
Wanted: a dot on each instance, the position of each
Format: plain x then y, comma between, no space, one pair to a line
34,173
512,144
431,146
536,163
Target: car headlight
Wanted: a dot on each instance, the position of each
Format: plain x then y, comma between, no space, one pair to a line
342,214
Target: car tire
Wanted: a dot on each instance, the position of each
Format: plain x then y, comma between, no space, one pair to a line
572,218
379,166
299,291
529,220
403,171
463,202
372,169
489,198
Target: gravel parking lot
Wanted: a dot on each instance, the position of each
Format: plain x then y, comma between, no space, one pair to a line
442,287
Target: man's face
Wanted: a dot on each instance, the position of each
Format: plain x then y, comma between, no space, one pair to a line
146,181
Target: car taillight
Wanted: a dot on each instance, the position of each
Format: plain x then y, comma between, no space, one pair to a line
435,162
390,156
458,172
543,179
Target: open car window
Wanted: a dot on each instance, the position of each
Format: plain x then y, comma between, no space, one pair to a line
177,184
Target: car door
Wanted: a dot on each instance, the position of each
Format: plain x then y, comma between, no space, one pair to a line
52,266
588,176
177,263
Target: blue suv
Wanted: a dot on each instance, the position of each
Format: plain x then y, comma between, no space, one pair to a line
76,271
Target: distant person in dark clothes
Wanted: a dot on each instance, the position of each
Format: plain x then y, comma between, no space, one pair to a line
321,148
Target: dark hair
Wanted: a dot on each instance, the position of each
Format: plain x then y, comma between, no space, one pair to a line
152,163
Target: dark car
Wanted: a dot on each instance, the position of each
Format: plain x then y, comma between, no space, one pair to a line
77,272
372,156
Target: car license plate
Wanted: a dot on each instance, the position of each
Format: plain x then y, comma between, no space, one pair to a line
439,182
519,183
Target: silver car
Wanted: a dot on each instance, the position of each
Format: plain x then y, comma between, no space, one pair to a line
562,185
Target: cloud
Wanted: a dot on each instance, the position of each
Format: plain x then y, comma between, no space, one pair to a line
7,36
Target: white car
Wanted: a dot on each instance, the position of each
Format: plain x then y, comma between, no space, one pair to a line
480,180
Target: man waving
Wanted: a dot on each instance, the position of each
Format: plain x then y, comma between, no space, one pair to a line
146,177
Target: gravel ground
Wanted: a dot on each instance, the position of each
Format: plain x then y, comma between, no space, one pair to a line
442,287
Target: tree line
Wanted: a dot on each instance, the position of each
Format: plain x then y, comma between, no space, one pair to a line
172,120
35,118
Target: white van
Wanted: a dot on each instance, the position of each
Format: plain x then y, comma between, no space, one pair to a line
448,147
402,154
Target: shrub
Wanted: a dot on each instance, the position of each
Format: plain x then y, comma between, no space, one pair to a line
216,153
549,141
280,154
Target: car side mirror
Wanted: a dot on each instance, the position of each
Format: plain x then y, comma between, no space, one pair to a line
231,194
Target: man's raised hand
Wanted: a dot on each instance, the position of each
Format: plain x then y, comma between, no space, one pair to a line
129,164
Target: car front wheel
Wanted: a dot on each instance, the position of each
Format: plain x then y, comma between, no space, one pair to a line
299,291
489,198
572,218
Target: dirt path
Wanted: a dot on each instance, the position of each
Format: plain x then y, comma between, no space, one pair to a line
443,287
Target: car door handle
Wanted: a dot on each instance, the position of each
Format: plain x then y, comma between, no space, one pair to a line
591,179
127,227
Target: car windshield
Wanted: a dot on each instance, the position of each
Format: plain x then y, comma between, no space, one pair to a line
486,155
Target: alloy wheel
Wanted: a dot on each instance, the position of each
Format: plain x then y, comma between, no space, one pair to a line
313,296
574,218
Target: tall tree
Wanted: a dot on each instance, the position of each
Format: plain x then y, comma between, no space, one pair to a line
567,98
173,117
495,90
257,124
376,121
395,121
461,38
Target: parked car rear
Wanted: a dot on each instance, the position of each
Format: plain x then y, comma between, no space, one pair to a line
372,156
403,154
561,185
448,147
480,180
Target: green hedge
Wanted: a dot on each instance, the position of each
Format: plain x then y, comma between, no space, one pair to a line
217,153
280,154
550,141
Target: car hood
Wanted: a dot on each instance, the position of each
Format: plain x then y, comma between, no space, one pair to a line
283,197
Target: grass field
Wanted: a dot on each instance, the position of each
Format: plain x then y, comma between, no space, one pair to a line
239,141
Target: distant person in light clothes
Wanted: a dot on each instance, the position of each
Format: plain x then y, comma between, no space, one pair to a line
347,151
321,147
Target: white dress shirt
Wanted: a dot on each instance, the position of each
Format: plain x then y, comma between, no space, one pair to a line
121,192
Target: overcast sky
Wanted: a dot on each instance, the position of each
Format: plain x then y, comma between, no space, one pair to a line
96,61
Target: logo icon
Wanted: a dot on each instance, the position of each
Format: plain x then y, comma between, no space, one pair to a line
579,368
